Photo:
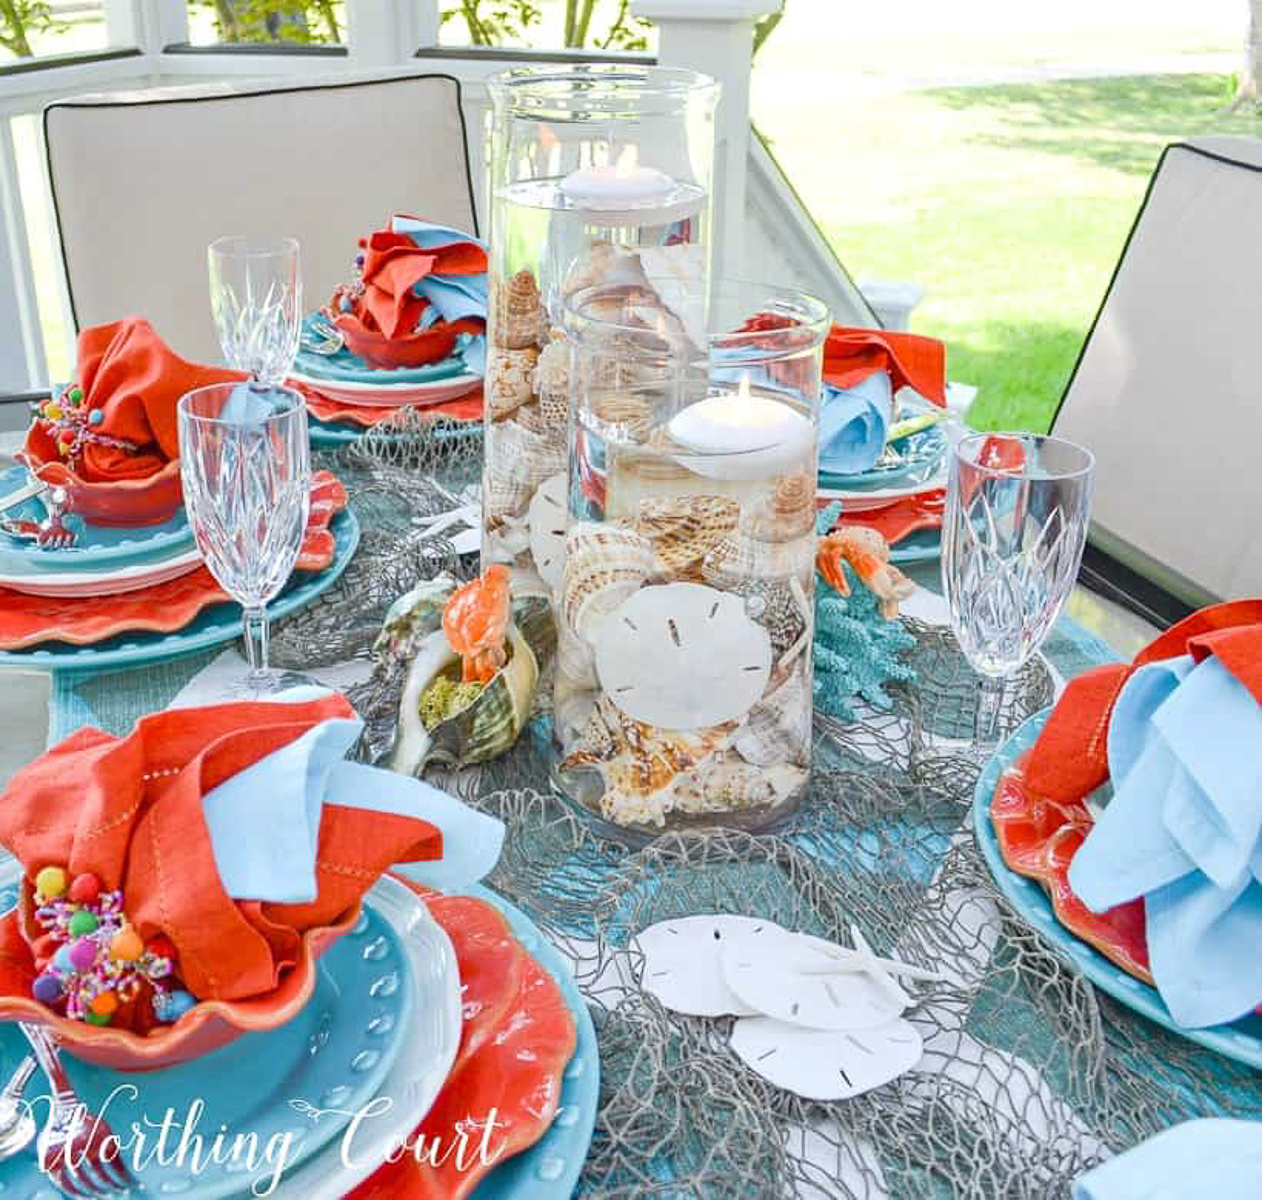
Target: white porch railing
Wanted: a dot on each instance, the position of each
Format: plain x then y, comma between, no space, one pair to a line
762,230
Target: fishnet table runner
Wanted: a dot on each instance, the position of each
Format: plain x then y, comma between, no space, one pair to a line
1030,1075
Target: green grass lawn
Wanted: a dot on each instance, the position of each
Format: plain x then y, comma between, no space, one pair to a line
1009,204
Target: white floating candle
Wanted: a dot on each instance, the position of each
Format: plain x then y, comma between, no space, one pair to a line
618,186
737,435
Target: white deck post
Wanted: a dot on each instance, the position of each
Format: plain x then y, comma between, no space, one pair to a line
717,37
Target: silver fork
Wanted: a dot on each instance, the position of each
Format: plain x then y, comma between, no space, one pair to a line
17,1125
54,533
71,1146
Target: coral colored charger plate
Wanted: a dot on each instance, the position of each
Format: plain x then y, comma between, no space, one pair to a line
549,1166
1241,1040
179,617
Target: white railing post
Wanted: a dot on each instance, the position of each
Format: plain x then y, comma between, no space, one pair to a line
22,350
717,37
387,33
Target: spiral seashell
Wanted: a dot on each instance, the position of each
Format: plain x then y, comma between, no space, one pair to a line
684,530
788,513
510,378
728,785
603,566
516,312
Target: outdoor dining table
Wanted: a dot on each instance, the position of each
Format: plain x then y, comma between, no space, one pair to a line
1031,1075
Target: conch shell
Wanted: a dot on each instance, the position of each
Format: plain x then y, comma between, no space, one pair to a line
490,723
518,460
788,513
517,312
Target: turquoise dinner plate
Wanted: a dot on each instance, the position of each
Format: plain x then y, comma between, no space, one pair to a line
97,545
340,1047
1241,1040
345,367
549,1170
213,626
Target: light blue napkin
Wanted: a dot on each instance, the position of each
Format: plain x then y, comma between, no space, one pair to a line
455,296
1210,1159
1183,831
264,822
853,423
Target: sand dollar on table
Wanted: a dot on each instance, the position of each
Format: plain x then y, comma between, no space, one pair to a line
681,962
683,656
546,520
769,975
826,1066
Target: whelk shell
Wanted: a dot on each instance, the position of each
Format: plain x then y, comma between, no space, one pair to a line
516,311
603,566
730,786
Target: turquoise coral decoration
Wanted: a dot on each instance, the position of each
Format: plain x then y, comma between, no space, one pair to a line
857,650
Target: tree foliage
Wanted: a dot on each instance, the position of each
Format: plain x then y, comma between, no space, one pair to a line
500,22
307,22
19,19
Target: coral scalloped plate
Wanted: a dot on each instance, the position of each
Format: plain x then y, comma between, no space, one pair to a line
205,1027
1028,844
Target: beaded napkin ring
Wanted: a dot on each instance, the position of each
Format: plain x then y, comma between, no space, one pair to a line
90,956
347,296
71,424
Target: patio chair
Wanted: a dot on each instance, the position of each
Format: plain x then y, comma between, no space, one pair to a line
142,181
1168,390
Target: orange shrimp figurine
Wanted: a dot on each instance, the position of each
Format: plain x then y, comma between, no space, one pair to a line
868,554
475,620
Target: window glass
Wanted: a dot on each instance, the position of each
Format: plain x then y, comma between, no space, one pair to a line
38,28
283,22
606,25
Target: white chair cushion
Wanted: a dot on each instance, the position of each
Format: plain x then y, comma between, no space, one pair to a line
144,181
1168,390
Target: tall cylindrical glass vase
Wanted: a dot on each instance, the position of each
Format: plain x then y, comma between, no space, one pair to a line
599,177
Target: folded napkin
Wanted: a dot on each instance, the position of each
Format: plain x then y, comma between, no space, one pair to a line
853,423
423,285
127,374
130,811
1182,831
863,369
1180,735
264,822
1211,1159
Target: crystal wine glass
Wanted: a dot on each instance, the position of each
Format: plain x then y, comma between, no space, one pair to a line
1016,521
246,469
256,299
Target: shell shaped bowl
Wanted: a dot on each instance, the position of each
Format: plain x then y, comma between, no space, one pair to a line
148,501
414,350
207,1026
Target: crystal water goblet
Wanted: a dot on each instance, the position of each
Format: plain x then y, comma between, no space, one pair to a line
256,301
1017,510
245,464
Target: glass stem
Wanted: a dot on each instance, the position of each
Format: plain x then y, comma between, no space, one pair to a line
256,642
989,702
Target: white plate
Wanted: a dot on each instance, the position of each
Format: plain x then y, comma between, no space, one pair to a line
108,582
423,1064
857,501
350,387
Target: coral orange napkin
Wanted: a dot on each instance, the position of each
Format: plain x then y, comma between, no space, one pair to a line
129,810
1070,758
128,374
851,355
